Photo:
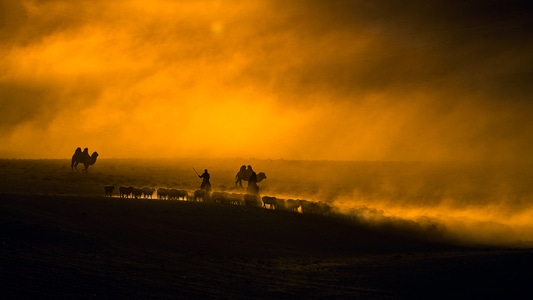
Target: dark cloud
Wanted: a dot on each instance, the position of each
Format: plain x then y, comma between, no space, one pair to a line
407,45
39,104
21,104
461,68
12,17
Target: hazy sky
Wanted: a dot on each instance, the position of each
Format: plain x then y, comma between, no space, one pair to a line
347,80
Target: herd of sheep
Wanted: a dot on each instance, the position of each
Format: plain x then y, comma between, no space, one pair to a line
293,205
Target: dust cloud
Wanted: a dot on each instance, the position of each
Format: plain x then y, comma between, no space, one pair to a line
466,203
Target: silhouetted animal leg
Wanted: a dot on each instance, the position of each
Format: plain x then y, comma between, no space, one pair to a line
239,182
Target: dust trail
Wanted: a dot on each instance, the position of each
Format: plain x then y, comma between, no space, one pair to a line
467,203
491,225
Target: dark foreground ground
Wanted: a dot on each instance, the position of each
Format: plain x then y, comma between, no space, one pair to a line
72,247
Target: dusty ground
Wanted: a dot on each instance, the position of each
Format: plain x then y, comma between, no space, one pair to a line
80,246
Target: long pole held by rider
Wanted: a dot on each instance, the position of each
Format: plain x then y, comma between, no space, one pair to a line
196,172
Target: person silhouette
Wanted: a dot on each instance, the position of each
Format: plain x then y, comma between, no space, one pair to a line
249,172
206,185
252,184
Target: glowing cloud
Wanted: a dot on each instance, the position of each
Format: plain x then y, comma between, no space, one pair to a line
346,80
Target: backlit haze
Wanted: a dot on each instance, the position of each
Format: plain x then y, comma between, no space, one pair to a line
326,80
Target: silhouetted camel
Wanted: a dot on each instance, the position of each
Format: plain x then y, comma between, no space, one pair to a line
83,158
244,174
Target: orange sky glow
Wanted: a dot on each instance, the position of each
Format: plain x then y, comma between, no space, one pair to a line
326,80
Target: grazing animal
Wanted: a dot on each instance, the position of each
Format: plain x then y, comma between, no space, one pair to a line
125,192
271,201
309,207
227,198
251,200
172,194
109,190
83,158
219,197
148,192
292,205
325,208
175,194
281,204
137,193
315,208
236,199
182,194
200,195
162,193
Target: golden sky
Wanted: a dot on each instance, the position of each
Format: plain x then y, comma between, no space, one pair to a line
338,80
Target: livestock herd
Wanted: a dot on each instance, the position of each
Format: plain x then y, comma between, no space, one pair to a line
226,198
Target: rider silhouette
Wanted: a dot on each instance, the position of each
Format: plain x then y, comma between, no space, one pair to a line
252,184
206,185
